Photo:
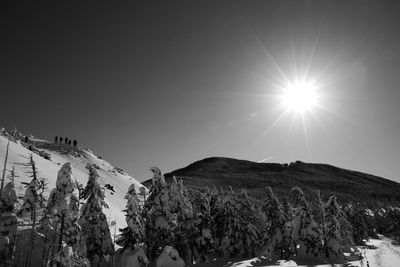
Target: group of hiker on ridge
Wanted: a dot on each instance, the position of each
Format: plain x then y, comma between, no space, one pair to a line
59,140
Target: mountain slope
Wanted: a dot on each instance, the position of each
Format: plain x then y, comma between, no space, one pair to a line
346,184
19,151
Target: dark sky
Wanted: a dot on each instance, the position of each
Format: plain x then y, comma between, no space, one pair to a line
167,83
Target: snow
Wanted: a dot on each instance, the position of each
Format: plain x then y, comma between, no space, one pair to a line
169,258
48,169
131,258
385,255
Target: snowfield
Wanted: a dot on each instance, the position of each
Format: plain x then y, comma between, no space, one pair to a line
79,159
385,255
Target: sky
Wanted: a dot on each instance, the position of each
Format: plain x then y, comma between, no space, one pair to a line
168,83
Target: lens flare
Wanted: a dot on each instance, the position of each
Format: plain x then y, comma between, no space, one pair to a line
299,97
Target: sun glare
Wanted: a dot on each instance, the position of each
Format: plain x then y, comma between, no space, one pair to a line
299,97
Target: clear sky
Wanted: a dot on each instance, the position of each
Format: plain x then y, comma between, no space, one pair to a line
167,83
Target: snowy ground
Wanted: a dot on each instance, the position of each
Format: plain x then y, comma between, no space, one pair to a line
385,255
18,154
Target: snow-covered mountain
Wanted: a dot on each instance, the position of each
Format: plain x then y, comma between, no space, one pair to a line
49,158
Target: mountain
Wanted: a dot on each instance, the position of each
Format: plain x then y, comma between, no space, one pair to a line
346,184
49,158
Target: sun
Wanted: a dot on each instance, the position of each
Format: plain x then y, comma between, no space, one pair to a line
299,97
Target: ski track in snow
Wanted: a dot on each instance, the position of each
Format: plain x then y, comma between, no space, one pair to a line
386,255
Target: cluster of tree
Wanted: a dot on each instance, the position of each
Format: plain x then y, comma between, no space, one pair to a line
386,221
66,233
197,222
200,222
369,223
60,140
392,218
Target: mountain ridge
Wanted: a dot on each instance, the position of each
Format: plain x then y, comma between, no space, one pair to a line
347,184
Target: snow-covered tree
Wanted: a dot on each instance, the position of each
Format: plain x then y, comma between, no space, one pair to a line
133,234
358,219
338,229
288,211
160,223
236,233
8,218
61,216
8,195
204,223
93,221
333,238
274,231
33,200
185,231
251,235
306,234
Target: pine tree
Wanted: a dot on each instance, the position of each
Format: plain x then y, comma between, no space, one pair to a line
236,232
133,234
185,231
8,218
33,200
204,242
8,194
160,223
288,228
251,235
306,234
333,237
94,222
346,232
323,224
62,212
358,219
228,219
338,229
273,238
